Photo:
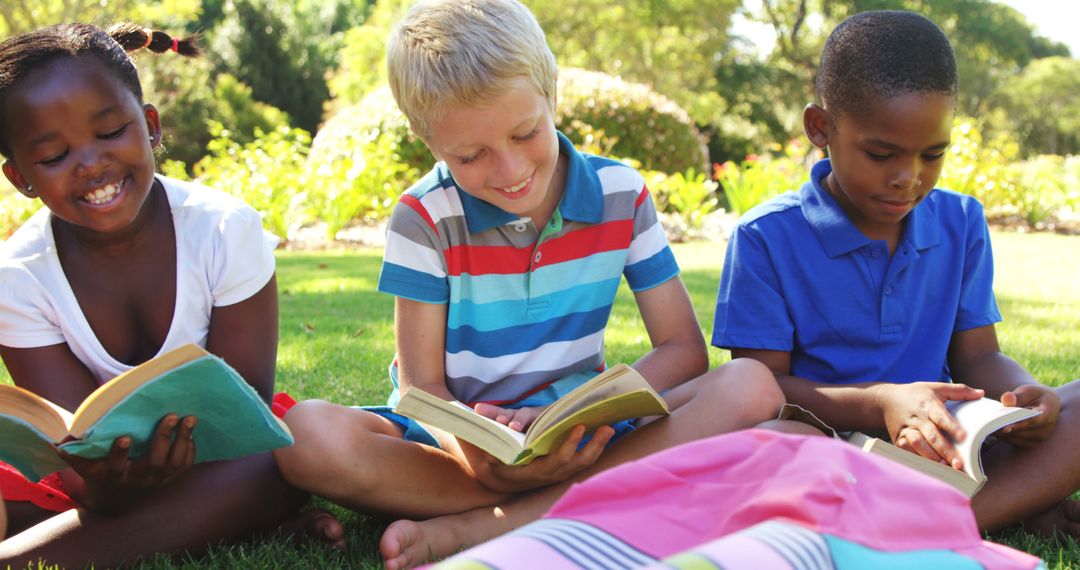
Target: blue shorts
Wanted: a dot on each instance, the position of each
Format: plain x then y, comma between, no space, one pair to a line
411,430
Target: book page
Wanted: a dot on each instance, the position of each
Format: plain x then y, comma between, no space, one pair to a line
47,417
27,449
233,421
980,418
114,391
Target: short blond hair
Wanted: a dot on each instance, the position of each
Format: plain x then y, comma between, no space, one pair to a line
465,52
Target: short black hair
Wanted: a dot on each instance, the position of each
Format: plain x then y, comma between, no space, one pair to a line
878,55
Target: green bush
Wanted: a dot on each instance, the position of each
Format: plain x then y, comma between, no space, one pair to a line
691,195
979,168
1039,193
759,178
268,173
14,210
376,116
188,102
644,124
362,182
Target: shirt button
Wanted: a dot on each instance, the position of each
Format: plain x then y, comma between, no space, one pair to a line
888,290
875,253
536,259
520,227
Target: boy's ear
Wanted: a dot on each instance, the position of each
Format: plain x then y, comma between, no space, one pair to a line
153,124
818,125
18,180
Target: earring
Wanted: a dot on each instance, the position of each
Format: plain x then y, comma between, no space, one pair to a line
29,191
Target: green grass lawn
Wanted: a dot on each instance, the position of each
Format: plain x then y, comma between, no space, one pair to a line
337,341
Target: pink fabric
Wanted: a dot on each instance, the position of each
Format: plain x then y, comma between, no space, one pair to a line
683,497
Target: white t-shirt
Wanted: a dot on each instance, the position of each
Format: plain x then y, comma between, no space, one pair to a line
223,256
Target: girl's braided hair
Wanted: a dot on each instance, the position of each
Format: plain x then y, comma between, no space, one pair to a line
33,51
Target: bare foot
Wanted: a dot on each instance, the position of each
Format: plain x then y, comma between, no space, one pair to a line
319,524
406,543
1063,518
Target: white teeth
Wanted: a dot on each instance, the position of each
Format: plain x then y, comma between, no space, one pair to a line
102,195
517,187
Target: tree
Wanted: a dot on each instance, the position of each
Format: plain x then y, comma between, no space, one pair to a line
670,45
20,16
283,50
992,43
1042,107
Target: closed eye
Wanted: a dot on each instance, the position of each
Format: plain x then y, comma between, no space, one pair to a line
53,161
528,135
933,157
878,157
114,134
471,158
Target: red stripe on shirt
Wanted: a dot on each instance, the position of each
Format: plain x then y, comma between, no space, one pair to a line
642,197
487,259
414,203
610,236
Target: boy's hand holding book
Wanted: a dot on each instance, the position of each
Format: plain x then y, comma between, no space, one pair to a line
1034,430
560,464
918,421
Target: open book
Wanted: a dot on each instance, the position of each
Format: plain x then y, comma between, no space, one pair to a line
232,419
619,393
980,418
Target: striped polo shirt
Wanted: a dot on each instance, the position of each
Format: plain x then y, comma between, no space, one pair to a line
527,306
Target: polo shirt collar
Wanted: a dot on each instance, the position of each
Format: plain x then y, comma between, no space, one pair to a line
836,232
583,199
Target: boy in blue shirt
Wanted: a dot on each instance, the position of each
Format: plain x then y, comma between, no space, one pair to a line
869,292
505,261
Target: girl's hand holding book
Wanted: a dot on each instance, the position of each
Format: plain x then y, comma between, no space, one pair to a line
562,463
1032,431
117,482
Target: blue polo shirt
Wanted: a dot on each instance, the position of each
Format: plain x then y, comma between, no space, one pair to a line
799,277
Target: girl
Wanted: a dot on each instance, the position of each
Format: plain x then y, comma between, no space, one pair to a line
119,266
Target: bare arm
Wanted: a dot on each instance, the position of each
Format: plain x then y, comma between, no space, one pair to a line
420,333
679,353
914,415
976,358
245,335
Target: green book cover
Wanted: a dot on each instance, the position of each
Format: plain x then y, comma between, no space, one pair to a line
233,421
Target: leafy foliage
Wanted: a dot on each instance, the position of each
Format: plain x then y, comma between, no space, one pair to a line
1042,106
759,178
643,41
977,167
362,58
363,181
267,173
377,115
992,42
282,50
14,210
190,96
643,124
21,17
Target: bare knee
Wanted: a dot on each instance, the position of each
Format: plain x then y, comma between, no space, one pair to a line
759,395
327,440
744,387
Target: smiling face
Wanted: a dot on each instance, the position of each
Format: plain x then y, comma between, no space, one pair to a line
886,159
83,143
504,152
